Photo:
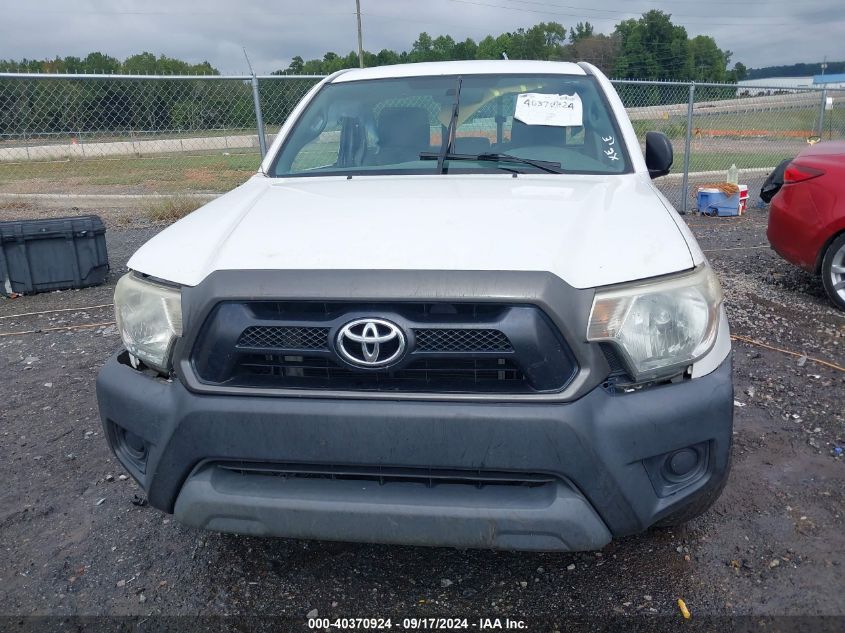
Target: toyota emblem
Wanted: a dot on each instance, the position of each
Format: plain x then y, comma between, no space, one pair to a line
371,343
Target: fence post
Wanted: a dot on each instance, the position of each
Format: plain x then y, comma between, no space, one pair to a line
687,147
821,112
259,118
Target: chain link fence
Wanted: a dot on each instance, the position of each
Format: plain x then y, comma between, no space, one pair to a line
714,126
140,134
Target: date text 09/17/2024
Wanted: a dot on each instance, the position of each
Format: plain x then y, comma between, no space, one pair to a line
410,624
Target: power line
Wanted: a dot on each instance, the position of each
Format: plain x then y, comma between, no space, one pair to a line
581,15
745,2
617,11
176,12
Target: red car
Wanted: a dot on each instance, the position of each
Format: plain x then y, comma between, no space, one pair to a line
807,218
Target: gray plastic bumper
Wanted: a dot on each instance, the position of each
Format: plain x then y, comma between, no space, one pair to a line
604,451
548,517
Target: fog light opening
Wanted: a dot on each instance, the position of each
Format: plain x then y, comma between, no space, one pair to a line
677,469
134,445
681,463
130,447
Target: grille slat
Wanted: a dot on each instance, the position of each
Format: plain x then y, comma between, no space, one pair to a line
461,340
388,474
455,373
286,338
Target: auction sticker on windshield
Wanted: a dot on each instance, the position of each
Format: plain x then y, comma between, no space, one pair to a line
534,108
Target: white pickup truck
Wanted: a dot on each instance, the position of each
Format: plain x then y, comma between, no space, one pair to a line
451,308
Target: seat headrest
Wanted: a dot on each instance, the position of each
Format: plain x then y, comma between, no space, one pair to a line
406,127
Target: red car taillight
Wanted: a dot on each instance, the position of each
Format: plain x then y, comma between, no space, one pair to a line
799,173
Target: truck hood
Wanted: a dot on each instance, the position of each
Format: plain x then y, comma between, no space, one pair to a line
588,230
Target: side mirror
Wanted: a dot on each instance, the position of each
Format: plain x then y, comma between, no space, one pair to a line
658,154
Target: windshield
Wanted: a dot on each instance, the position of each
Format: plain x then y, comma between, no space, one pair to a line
393,126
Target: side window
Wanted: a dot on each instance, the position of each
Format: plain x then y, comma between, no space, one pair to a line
575,136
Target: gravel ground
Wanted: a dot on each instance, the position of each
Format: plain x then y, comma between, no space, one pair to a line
72,542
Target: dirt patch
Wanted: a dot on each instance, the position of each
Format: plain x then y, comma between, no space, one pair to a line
168,210
200,177
15,208
113,217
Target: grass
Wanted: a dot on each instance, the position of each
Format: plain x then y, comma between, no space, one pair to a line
774,123
744,160
218,173
172,208
163,174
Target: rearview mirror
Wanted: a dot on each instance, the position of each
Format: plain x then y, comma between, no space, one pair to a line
658,154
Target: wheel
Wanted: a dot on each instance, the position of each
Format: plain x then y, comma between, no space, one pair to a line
833,272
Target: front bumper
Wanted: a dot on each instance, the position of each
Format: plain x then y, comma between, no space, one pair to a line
603,451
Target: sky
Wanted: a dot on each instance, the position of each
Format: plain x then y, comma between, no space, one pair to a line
759,32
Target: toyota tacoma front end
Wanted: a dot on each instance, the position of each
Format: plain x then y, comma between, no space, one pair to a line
450,309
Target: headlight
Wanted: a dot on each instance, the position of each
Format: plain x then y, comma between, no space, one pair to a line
661,326
149,317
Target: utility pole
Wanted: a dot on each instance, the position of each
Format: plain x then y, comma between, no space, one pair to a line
360,38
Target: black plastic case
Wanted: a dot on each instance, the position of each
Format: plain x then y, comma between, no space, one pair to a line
54,254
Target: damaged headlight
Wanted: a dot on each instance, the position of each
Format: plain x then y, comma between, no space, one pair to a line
149,317
662,326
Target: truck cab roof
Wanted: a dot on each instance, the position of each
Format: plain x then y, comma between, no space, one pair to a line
470,67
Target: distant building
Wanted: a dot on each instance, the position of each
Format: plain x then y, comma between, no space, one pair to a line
833,81
777,82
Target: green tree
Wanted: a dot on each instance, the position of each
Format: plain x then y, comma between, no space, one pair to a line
100,63
443,48
465,50
296,65
600,50
423,49
140,64
580,31
541,41
709,62
653,48
147,63
492,47
386,57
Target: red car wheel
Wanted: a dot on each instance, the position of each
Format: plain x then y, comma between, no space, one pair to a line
833,271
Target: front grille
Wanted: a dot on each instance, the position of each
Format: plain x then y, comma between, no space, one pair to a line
383,475
427,340
315,372
451,348
287,338
464,340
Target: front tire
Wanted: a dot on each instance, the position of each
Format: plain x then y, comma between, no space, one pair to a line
833,272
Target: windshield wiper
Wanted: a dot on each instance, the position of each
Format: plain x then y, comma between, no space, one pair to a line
447,147
543,165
